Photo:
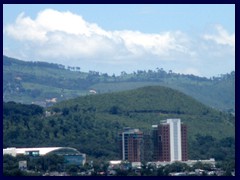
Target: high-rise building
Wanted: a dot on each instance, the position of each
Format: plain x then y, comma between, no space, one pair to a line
147,147
170,141
131,144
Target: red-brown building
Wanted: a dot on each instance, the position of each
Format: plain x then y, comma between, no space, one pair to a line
131,144
184,142
170,141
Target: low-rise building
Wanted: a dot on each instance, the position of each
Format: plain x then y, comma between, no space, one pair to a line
210,161
71,155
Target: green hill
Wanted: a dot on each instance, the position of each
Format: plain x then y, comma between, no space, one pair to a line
44,83
91,123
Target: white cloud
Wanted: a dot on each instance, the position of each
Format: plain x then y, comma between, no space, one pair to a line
68,32
156,44
222,37
66,38
25,29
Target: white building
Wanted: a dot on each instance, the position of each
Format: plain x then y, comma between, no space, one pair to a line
71,155
170,141
175,139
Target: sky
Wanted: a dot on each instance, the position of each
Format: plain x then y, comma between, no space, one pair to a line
188,39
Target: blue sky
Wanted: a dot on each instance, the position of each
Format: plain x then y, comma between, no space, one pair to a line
189,39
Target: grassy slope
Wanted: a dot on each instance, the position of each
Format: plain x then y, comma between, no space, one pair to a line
218,95
26,71
133,107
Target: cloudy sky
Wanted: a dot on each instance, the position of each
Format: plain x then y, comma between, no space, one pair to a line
189,39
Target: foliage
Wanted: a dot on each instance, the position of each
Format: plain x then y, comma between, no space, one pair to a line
223,149
228,166
10,166
34,164
72,169
28,82
92,123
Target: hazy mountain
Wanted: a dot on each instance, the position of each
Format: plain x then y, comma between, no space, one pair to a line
46,83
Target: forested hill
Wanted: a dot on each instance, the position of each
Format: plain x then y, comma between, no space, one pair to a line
47,83
91,123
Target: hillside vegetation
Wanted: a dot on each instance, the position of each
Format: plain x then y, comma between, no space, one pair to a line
46,83
91,123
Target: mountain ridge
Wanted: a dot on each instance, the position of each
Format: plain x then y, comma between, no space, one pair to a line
40,82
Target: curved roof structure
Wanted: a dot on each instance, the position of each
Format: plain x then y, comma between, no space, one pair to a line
42,151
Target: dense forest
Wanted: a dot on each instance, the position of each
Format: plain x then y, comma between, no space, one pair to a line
91,123
47,83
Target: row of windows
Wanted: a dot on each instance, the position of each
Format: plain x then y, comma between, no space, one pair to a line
32,153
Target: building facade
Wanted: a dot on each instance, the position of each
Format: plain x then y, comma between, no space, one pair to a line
131,144
170,141
71,155
147,147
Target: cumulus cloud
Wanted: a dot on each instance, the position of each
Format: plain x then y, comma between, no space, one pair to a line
67,38
25,29
222,37
69,34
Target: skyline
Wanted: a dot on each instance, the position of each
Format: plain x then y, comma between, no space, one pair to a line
199,40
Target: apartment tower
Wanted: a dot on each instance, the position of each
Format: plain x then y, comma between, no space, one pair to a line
170,141
131,144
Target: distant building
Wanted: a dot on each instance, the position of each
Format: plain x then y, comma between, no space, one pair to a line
170,141
131,144
22,165
91,91
210,161
190,163
71,155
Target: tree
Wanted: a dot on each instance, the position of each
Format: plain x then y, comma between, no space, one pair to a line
72,169
160,171
177,167
114,110
200,165
123,73
65,111
228,166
